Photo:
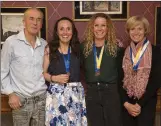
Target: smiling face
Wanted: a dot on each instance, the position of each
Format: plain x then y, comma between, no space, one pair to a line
137,33
33,21
64,31
100,28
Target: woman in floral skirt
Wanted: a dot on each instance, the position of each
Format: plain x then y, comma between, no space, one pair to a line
65,103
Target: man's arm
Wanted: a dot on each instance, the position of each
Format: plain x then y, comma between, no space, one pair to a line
6,87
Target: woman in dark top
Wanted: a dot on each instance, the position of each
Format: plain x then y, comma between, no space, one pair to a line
65,103
100,55
141,66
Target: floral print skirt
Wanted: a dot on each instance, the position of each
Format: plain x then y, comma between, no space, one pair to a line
65,105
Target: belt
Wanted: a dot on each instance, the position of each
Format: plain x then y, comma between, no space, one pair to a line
73,84
70,84
36,98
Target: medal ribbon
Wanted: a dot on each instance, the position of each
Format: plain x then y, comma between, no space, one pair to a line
136,60
67,61
97,60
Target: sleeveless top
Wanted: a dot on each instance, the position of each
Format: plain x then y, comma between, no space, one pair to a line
57,67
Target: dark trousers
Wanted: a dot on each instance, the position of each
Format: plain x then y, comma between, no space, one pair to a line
103,105
146,117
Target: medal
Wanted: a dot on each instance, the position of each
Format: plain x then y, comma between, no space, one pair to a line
68,73
97,73
134,72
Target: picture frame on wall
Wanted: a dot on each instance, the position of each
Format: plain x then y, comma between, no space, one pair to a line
117,10
12,22
158,26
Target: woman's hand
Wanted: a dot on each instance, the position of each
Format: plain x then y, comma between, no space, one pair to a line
133,110
62,78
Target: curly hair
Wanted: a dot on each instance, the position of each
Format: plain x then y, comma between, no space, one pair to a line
54,44
111,45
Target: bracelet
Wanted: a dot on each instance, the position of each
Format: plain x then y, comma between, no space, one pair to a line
51,79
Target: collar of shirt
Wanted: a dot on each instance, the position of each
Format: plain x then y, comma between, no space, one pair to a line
21,36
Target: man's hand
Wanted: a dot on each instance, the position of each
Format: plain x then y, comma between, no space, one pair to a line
14,101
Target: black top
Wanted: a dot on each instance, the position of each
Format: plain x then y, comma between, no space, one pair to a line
98,49
58,67
154,82
108,69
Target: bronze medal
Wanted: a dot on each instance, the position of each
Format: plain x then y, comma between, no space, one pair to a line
97,73
68,73
134,72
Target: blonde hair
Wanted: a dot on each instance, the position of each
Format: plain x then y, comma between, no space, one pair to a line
111,45
136,20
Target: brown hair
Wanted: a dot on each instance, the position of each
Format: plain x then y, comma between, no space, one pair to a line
54,44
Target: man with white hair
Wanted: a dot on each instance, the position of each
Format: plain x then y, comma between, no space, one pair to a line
21,72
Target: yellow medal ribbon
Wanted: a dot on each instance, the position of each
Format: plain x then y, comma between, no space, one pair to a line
137,55
99,59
